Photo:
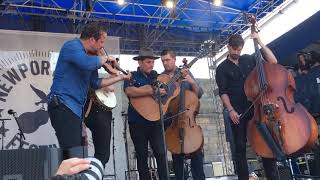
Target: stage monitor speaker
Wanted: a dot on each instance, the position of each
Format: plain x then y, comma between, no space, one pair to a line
284,173
208,170
29,164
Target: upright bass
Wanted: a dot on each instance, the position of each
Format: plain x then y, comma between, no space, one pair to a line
280,127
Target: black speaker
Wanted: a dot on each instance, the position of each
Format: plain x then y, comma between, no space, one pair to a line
284,173
29,164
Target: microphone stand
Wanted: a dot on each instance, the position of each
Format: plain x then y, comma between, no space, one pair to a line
3,133
20,133
113,151
157,84
126,143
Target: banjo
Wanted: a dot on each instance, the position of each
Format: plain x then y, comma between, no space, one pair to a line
106,99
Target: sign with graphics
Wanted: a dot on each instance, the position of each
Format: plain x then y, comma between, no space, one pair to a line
26,70
25,79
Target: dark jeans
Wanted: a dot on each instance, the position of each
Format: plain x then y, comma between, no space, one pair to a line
99,123
196,166
68,126
141,135
239,133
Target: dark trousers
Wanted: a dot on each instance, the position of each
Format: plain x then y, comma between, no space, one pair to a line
239,134
141,135
67,125
99,123
196,166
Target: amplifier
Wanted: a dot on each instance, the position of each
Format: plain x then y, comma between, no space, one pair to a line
284,173
29,164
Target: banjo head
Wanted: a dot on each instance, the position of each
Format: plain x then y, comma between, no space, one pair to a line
107,99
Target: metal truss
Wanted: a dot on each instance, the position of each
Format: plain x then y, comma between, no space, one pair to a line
161,17
133,38
260,8
138,26
224,153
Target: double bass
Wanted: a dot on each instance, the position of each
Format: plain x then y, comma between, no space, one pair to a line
279,127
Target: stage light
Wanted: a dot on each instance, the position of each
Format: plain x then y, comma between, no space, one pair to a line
168,3
121,2
217,2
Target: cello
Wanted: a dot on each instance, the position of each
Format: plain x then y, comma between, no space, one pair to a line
279,127
184,136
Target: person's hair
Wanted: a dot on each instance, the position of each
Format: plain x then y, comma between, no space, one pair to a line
93,29
310,58
236,40
315,56
168,51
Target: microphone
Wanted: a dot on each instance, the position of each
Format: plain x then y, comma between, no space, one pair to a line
154,81
153,74
10,111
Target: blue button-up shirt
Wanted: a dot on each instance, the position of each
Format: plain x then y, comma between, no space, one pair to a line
138,79
74,72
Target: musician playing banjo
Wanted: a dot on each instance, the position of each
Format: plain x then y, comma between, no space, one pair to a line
75,71
98,118
141,130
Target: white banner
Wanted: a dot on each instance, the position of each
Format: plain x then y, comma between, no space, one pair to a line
25,79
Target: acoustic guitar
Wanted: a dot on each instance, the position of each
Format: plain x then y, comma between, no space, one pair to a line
148,107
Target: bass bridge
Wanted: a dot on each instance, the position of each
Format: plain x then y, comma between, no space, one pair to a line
271,111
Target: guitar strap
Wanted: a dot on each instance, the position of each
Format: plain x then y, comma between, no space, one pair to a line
88,109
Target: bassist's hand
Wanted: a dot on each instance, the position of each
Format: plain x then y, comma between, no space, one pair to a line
234,116
184,72
189,79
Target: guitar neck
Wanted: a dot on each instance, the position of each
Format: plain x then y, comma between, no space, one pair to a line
177,76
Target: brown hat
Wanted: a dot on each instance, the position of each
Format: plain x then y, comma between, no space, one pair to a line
145,53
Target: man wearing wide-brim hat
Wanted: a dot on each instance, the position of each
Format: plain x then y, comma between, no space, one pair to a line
145,53
141,130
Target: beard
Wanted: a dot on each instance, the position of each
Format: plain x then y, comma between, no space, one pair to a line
234,56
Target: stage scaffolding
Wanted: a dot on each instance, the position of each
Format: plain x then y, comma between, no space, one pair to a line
158,30
223,147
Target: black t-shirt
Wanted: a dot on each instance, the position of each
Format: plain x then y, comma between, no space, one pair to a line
308,90
230,79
